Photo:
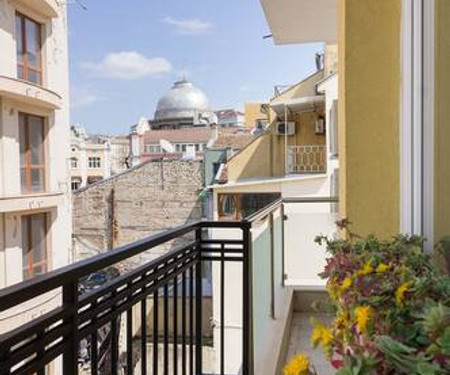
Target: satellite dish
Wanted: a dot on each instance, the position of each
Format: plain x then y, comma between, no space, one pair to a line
166,146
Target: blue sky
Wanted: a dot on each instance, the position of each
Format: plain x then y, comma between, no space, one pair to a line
124,54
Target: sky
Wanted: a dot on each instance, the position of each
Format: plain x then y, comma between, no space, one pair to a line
125,54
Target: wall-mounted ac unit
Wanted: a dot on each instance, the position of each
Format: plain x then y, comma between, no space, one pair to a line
283,128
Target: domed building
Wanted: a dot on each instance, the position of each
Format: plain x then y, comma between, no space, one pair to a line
184,105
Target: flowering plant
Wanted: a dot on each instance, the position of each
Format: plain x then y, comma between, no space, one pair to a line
392,308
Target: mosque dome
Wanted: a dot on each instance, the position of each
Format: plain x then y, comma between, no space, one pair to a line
181,101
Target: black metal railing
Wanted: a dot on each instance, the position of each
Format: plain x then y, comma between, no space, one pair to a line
123,304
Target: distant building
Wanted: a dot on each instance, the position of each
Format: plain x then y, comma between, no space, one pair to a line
96,157
183,106
227,118
256,115
119,153
181,128
89,158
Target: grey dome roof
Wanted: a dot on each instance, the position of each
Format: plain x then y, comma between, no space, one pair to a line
182,100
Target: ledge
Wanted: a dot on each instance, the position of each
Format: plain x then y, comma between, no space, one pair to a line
29,93
46,8
30,202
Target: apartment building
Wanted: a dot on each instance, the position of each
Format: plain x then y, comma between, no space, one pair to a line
35,217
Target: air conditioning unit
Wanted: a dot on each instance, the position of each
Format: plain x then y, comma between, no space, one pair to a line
283,128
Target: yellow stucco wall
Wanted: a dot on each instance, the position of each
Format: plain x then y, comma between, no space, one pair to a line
369,89
252,161
442,116
254,111
265,156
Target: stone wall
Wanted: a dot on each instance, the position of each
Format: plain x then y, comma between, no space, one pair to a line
149,198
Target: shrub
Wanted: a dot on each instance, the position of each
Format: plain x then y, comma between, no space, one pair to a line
392,308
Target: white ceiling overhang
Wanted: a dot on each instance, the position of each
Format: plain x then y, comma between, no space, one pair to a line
301,21
299,105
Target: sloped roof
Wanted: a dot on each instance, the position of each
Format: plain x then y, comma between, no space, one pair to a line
187,135
236,140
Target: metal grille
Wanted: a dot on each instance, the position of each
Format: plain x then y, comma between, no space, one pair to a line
307,159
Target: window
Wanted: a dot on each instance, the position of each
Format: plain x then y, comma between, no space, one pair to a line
74,163
75,184
94,162
197,147
183,148
28,41
32,153
34,248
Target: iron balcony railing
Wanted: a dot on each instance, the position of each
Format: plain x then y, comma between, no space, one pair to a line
177,275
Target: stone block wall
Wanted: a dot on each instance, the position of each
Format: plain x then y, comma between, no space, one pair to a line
147,199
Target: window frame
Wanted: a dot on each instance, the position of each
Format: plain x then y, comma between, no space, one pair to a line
94,164
31,265
24,64
26,188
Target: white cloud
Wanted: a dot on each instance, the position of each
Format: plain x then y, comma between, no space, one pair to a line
193,26
129,65
84,97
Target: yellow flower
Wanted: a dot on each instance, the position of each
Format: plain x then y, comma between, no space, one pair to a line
299,365
366,269
382,268
342,319
363,316
400,293
321,334
347,283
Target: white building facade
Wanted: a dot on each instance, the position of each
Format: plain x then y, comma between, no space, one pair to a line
90,158
35,215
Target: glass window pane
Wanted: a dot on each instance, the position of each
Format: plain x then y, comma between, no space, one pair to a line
32,34
36,125
34,76
22,137
20,72
19,40
37,180
38,237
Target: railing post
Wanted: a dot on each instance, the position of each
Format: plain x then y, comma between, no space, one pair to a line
198,305
247,321
70,302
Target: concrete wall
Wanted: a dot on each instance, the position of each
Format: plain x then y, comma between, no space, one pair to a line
150,198
442,117
369,103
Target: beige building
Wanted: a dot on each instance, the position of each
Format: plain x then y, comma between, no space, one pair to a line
35,217
96,157
256,115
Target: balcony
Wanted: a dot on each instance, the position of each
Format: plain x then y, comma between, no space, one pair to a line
29,93
46,8
159,317
30,202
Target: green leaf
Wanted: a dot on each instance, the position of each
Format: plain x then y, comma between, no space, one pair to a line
426,368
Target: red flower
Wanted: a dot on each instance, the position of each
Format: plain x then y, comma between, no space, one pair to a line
337,364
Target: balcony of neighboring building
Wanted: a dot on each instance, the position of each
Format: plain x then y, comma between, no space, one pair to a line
29,93
45,8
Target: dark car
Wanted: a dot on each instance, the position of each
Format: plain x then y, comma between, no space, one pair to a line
97,279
